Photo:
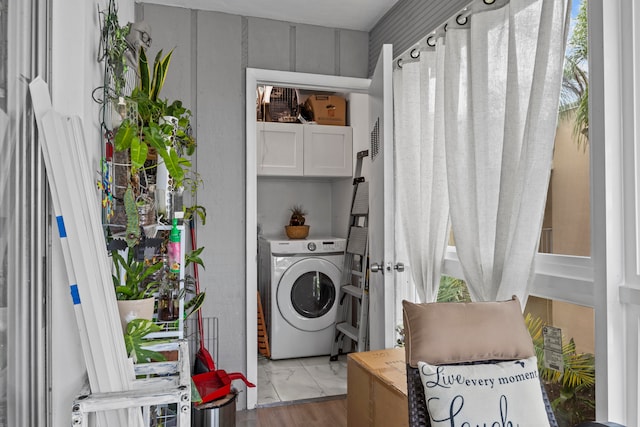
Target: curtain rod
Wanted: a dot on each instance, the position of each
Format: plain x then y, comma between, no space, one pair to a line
461,18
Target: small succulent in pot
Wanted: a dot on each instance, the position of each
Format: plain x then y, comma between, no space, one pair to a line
297,215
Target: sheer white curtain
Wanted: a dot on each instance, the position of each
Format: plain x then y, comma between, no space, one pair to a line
488,92
502,83
422,201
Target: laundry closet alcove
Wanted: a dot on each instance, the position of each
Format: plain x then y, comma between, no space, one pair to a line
339,189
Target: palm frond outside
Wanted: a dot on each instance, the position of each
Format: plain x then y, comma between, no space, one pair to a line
579,368
574,94
453,290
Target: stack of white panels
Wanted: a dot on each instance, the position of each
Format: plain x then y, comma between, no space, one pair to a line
76,207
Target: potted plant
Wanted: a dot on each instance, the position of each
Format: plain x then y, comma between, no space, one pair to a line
162,126
157,138
137,329
297,215
134,292
130,278
114,47
297,228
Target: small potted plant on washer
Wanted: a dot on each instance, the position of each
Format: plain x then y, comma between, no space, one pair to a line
297,228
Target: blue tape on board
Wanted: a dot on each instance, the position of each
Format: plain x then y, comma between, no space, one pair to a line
75,295
61,229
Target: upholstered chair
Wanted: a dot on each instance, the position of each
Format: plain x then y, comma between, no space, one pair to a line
475,363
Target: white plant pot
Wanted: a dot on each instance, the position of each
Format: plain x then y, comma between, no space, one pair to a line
135,309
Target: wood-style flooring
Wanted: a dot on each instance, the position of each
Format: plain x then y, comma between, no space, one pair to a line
325,413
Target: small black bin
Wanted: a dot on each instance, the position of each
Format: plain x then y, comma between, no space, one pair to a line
219,413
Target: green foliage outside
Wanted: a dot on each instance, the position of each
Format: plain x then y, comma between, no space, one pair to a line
574,95
572,390
453,290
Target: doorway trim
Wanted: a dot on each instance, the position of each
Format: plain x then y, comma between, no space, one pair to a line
255,77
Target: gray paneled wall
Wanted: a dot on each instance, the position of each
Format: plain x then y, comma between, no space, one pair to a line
279,45
207,73
170,29
220,155
315,49
269,45
408,22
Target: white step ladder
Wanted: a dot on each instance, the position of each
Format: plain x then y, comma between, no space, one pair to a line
352,319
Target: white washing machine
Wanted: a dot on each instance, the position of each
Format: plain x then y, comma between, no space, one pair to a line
299,283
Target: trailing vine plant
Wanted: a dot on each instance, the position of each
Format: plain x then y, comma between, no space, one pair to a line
113,46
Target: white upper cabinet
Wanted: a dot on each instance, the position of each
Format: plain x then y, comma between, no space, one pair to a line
285,149
279,150
328,150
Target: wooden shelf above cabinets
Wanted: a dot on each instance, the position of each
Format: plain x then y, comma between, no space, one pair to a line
292,149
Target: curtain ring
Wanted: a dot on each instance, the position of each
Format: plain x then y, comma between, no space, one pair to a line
461,20
431,41
488,1
399,62
417,55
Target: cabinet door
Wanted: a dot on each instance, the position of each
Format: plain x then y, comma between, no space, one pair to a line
328,151
279,150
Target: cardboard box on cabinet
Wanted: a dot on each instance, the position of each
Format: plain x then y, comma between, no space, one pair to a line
377,389
327,109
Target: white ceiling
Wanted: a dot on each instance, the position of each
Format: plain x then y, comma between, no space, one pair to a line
359,15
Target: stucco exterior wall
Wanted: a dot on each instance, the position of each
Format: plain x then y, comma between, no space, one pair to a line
567,215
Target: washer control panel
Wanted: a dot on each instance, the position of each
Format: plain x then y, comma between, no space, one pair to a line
335,245
319,246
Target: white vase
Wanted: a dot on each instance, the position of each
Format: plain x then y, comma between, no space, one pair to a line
135,309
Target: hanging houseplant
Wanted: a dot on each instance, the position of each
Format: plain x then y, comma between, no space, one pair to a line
171,139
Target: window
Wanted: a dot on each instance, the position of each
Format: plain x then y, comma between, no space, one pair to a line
566,227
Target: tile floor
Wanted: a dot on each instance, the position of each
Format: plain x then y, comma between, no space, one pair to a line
300,379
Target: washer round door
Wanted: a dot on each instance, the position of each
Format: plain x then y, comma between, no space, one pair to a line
307,294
